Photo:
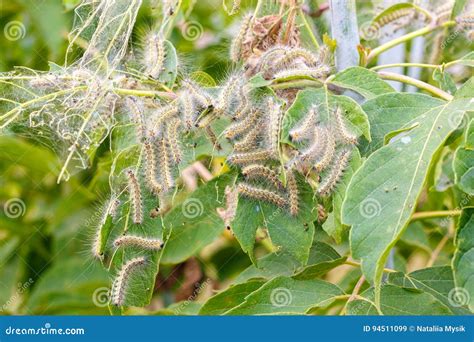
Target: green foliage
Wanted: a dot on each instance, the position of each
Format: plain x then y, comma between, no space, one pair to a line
139,134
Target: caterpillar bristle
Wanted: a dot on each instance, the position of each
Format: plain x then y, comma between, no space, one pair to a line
330,180
236,46
317,72
251,157
166,170
291,55
197,93
120,284
260,171
262,195
343,131
276,118
138,241
172,129
248,141
189,112
293,193
151,171
154,55
329,147
244,125
135,108
227,94
164,114
305,126
135,197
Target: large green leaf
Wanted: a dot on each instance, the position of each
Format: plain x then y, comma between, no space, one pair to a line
363,81
392,111
284,295
464,259
383,193
322,258
398,301
292,235
463,163
230,298
438,281
195,222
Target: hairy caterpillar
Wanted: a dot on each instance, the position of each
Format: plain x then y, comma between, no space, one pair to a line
231,200
341,127
324,55
138,241
276,117
213,138
207,119
110,210
120,283
137,116
172,134
310,153
260,171
135,197
318,72
261,194
151,171
251,157
164,114
248,142
305,126
165,163
189,112
293,194
154,55
243,107
243,126
197,93
404,13
291,55
267,56
227,93
328,152
236,46
335,173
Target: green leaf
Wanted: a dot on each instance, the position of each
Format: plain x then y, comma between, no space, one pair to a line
437,281
383,193
230,298
466,90
398,301
415,236
386,13
326,103
463,165
284,295
292,235
363,81
170,67
390,112
458,7
333,225
444,80
322,258
195,223
72,286
464,259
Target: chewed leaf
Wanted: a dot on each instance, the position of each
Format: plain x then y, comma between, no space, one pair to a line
382,194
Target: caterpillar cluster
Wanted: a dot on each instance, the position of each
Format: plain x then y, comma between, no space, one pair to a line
324,148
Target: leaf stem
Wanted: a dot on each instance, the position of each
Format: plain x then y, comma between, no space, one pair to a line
417,83
420,65
435,214
407,37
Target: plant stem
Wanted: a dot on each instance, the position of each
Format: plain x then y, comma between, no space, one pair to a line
417,83
434,214
355,293
357,264
420,65
421,32
145,93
